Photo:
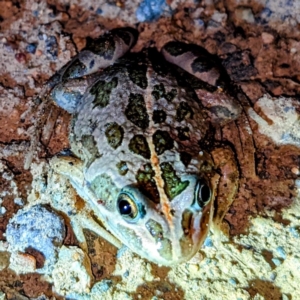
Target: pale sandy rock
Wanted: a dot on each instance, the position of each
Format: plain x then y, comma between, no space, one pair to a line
4,259
278,119
2,296
22,263
72,272
40,229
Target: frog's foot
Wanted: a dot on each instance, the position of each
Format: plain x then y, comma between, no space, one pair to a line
81,71
72,168
212,87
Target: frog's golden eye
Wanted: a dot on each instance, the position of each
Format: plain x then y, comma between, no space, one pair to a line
127,207
202,192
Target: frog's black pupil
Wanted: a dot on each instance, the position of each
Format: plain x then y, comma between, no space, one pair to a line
125,207
204,193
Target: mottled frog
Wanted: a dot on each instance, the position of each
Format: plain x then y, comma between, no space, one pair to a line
143,153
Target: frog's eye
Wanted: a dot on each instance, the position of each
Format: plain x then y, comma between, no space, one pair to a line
127,207
202,192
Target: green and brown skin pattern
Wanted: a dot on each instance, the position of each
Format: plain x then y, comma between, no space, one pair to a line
142,137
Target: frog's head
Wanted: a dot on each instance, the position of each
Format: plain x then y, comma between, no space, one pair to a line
169,230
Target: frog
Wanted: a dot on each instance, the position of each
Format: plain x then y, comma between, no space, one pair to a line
143,154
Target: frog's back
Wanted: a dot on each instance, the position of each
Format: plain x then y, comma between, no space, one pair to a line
137,111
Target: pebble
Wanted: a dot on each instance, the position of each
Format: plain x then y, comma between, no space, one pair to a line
245,14
273,276
276,261
280,251
126,274
31,48
39,228
20,57
72,273
19,201
294,232
121,251
51,46
102,287
208,242
2,211
295,170
99,11
267,38
150,10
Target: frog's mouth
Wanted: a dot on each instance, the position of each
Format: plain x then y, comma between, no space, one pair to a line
170,240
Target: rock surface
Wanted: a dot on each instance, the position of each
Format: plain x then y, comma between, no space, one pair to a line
258,43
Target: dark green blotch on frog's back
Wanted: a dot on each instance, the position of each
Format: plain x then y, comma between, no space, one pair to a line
146,183
162,141
171,95
138,75
114,134
89,144
173,184
159,91
183,133
184,111
136,111
102,90
159,116
138,145
122,168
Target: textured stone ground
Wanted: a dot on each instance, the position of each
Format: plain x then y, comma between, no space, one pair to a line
259,45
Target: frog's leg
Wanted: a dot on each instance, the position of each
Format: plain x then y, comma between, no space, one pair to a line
227,187
213,85
222,101
70,83
72,168
98,54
